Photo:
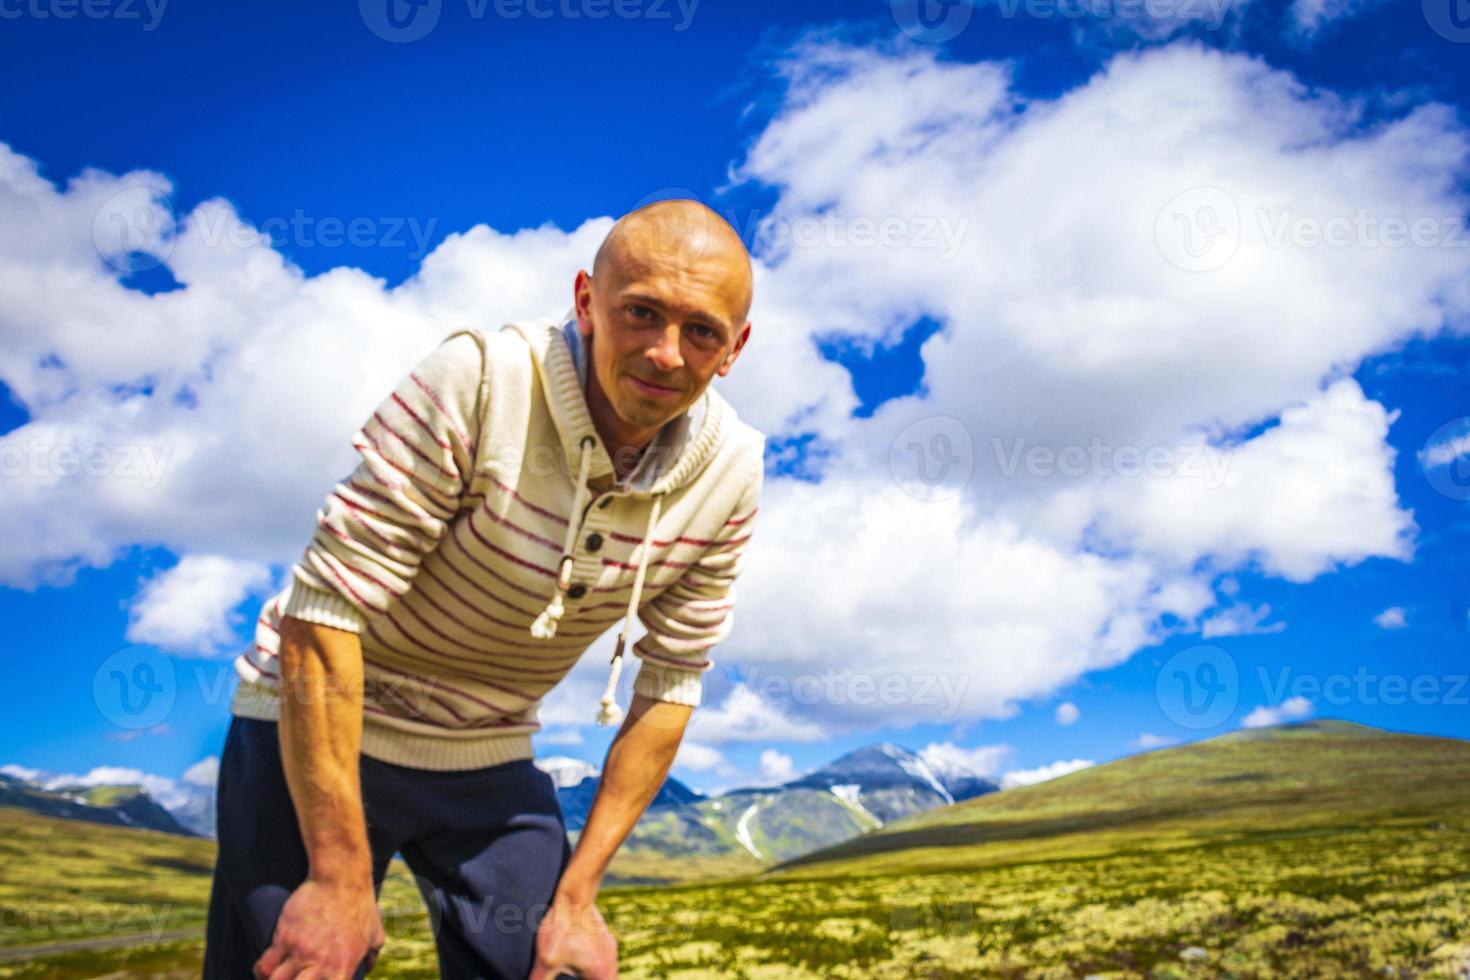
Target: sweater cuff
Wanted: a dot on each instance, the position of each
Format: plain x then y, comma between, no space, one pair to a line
672,684
325,608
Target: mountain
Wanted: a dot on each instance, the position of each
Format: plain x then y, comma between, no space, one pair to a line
890,782
1302,772
576,797
854,794
566,771
121,805
739,831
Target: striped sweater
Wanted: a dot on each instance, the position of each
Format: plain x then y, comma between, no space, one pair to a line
483,542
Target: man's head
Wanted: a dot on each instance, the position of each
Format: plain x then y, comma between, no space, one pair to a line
666,307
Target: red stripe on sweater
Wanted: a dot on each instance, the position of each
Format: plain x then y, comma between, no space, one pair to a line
413,447
428,429
425,489
522,626
464,437
426,654
437,682
656,658
538,569
343,536
348,586
523,532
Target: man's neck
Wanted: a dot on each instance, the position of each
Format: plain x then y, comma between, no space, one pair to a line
625,444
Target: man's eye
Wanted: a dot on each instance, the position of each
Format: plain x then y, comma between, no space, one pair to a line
709,332
639,311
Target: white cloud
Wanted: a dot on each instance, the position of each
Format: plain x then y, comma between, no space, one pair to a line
1309,17
1240,620
1067,713
1025,777
745,716
698,758
776,767
190,607
1023,579
22,772
1291,709
1392,618
205,772
1148,740
948,758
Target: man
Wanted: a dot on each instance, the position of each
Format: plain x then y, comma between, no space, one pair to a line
518,492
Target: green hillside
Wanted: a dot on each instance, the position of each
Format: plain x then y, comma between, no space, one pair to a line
1322,850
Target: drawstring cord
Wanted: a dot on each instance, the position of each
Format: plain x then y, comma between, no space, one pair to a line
544,628
610,713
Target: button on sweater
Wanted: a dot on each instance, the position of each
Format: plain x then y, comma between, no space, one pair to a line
484,541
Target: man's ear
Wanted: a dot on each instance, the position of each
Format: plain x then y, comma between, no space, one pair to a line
729,360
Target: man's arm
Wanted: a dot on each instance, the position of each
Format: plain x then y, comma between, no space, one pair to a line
320,732
573,934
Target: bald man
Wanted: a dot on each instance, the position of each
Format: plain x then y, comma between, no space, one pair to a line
318,792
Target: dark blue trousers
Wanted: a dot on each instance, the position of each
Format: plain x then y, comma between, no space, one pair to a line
486,847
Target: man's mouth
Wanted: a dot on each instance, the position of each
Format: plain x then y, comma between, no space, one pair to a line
651,389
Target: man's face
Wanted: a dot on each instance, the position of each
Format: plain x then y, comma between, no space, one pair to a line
660,329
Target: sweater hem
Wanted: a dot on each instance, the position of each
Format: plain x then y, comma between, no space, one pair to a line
397,747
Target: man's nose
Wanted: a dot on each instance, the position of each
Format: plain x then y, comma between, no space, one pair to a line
665,354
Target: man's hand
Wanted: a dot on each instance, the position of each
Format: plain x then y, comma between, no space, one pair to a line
574,939
324,933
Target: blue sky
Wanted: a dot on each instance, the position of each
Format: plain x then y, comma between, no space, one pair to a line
304,114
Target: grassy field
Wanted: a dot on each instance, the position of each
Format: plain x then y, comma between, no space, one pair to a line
1325,851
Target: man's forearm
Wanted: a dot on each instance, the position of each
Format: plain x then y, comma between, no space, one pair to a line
321,734
637,763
